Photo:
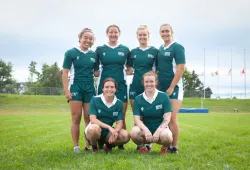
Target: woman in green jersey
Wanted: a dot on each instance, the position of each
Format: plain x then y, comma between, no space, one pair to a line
105,109
170,65
155,109
81,62
112,57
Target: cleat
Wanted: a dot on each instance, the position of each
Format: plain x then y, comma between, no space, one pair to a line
149,148
94,149
164,150
174,150
77,149
143,150
107,148
138,148
121,147
86,149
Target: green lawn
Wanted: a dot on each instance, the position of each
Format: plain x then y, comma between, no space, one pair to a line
43,141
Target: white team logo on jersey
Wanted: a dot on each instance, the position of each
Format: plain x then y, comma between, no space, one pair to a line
104,54
74,93
125,97
142,108
77,57
92,59
174,94
134,56
132,93
115,113
99,111
150,56
167,53
158,107
121,53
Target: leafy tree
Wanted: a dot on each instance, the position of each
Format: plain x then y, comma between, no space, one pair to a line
7,83
193,87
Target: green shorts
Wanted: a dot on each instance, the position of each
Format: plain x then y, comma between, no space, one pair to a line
177,93
82,92
135,89
121,92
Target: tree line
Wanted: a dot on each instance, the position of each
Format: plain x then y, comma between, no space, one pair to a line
49,81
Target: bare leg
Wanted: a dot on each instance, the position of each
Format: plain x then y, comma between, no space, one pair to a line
76,113
86,119
124,114
94,133
137,135
123,138
176,104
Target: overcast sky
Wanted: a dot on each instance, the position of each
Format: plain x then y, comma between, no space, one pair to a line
42,30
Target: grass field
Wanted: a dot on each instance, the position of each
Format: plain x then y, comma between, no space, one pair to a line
43,141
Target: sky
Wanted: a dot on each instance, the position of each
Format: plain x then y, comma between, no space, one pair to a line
43,30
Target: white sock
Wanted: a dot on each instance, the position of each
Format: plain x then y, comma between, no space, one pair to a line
76,147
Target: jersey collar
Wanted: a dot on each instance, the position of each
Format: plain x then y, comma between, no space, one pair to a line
105,102
78,48
168,45
144,49
154,97
107,44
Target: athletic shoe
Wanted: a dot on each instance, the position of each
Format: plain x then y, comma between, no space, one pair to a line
108,148
149,148
164,150
94,149
77,149
121,147
143,150
137,148
86,149
174,150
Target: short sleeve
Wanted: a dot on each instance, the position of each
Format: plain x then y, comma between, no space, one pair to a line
120,114
92,108
67,62
96,64
180,55
167,104
136,108
130,60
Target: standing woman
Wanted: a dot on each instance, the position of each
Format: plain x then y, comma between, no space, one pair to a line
113,57
155,108
141,60
81,62
170,65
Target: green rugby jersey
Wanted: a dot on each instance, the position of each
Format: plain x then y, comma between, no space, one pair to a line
167,59
81,65
112,61
152,113
143,61
103,112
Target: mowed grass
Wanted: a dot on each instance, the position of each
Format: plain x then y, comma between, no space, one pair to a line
43,141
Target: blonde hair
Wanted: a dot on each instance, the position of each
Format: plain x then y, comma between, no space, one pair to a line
168,26
86,30
150,73
113,25
142,27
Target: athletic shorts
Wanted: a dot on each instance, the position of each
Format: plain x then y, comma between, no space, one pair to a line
82,92
103,136
135,89
121,92
177,93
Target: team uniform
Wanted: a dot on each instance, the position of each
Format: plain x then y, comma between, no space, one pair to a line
81,65
143,61
167,59
112,61
152,112
107,114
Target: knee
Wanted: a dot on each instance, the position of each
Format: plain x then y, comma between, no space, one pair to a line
135,132
166,137
94,130
76,121
124,136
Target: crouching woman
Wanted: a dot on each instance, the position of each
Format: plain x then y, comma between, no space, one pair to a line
105,109
155,109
